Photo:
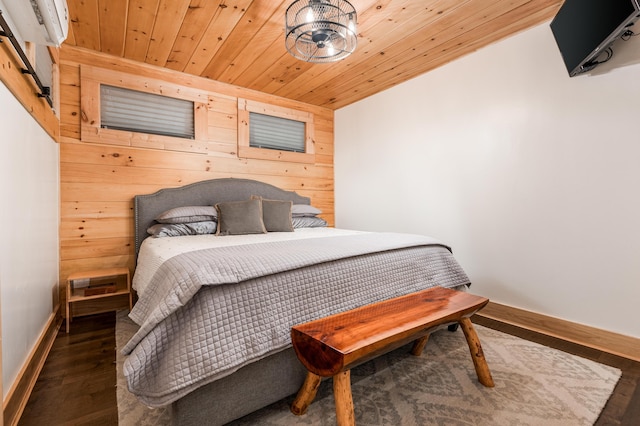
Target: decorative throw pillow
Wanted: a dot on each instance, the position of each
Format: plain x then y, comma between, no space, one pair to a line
240,217
304,210
188,214
276,214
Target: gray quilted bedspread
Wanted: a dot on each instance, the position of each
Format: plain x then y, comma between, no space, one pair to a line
213,311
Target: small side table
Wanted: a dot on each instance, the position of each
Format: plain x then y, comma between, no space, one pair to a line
97,284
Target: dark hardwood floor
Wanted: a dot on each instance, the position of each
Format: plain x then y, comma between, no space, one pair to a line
78,383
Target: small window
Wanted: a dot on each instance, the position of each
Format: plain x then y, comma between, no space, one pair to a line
266,131
134,111
270,132
130,110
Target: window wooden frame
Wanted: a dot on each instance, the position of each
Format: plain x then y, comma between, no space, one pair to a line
91,131
246,106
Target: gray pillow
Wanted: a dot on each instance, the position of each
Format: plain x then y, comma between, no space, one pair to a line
308,222
240,217
188,214
179,229
304,210
276,215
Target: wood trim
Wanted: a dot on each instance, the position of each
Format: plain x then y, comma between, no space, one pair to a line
55,90
93,77
245,106
142,83
603,340
18,395
25,91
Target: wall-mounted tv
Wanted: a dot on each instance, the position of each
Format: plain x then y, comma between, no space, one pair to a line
584,29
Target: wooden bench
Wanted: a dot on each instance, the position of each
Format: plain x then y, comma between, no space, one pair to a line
331,346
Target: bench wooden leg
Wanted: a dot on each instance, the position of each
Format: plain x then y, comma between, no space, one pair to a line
479,361
344,401
419,345
306,394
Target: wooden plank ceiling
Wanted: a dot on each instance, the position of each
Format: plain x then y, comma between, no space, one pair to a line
242,41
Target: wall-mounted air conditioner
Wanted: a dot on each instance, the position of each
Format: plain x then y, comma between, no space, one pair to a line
39,21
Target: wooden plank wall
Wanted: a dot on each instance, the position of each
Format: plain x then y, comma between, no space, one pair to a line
25,89
98,181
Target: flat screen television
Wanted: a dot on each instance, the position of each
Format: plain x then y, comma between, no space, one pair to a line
584,29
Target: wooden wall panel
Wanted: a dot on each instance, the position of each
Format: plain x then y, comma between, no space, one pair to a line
98,181
23,87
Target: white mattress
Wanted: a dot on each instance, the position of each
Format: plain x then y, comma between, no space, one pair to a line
155,251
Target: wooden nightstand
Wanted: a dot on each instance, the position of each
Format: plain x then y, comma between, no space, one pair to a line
93,288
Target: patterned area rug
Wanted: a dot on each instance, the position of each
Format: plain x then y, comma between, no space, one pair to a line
535,385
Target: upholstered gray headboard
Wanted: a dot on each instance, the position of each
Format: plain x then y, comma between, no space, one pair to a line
204,193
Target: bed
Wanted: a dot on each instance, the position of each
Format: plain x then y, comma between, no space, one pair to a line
215,310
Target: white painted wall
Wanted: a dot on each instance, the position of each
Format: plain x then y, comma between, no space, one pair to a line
532,177
29,218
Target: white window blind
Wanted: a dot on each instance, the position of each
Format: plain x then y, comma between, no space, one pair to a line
266,131
131,110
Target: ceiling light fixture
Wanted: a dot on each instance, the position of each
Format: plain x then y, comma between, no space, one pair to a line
320,30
